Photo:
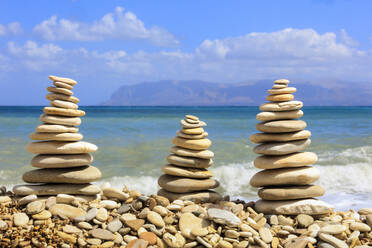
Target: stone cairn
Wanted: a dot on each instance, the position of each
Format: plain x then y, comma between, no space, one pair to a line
62,158
186,176
287,175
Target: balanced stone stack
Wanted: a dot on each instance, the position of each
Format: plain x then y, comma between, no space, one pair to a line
62,158
186,176
286,181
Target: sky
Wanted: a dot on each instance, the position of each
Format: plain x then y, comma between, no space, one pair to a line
106,44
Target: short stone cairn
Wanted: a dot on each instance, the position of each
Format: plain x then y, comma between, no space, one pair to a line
62,158
186,176
286,181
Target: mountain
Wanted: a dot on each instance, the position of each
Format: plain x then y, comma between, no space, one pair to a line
200,93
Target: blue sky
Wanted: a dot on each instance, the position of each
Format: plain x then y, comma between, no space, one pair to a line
105,44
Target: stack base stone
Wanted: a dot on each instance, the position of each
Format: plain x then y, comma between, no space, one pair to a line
286,181
186,176
62,159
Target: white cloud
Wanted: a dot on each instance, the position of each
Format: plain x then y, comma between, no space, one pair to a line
346,39
119,25
11,28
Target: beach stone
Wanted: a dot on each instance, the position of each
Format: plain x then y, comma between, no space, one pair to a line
124,208
365,211
201,144
27,199
71,239
20,219
59,90
281,106
5,199
193,131
35,207
94,242
304,220
114,225
224,217
102,215
285,176
200,196
150,237
115,193
50,201
64,104
43,215
68,81
284,115
369,220
206,154
192,117
3,225
282,81
282,126
109,204
185,185
283,161
187,125
286,90
358,226
290,192
191,121
160,210
62,97
189,161
280,98
56,136
85,225
332,240
333,229
279,86
62,85
224,244
137,243
293,207
135,224
279,137
82,174
67,211
155,219
265,235
186,172
91,214
60,147
192,136
55,189
282,148
174,241
61,161
50,128
102,234
71,229
60,120
191,226
325,245
63,112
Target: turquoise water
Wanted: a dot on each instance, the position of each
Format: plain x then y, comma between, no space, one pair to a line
134,142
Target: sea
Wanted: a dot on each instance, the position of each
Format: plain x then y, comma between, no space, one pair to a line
133,143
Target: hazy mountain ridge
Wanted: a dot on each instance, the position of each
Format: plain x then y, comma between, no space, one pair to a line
200,93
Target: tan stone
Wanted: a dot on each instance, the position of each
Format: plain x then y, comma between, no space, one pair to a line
155,218
60,120
185,185
137,243
280,98
293,207
54,96
283,126
291,160
282,148
47,128
281,106
200,196
135,224
64,104
283,115
333,240
60,147
189,162
206,154
290,192
67,211
55,189
63,85
58,90
279,137
63,111
192,117
285,176
57,136
193,131
191,121
186,172
282,81
192,136
186,125
279,86
68,81
75,175
61,161
191,226
285,90
201,144
43,215
149,237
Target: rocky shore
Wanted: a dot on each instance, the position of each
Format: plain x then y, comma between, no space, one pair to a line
125,218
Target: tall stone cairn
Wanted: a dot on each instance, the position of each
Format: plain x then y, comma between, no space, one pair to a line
62,159
186,175
287,177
